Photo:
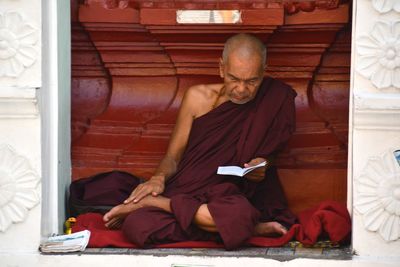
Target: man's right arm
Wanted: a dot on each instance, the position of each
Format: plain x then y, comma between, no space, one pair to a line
176,147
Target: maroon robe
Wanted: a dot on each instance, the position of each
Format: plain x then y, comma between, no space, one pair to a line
231,134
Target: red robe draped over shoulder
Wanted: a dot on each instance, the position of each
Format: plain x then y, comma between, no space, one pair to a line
230,134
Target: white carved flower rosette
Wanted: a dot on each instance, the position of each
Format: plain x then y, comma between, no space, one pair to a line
379,54
17,44
18,187
378,196
384,6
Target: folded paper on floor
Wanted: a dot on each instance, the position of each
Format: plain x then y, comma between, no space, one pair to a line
66,243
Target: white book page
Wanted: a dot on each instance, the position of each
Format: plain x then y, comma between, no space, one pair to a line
238,171
230,170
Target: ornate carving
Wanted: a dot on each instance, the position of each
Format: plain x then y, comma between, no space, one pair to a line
378,196
155,59
291,7
90,81
111,4
380,54
17,40
384,6
18,187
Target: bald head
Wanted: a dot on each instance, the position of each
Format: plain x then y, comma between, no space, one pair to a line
245,46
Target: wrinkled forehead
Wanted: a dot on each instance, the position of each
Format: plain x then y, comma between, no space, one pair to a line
246,73
247,63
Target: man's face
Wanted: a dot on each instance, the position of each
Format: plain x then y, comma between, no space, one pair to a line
242,78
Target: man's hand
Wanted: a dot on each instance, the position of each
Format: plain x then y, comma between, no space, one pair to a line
258,174
154,186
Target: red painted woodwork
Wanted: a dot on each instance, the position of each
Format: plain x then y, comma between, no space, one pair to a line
131,64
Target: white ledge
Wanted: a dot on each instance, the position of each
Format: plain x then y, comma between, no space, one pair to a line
377,101
16,103
377,119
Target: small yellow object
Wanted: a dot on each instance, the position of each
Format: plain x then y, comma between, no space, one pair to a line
68,225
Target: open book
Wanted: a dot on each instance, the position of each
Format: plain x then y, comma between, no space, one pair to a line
238,171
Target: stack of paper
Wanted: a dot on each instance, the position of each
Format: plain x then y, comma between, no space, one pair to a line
66,243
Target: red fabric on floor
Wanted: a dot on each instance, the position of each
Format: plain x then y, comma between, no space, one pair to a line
330,219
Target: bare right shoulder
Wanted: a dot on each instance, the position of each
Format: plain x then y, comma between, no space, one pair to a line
191,105
199,99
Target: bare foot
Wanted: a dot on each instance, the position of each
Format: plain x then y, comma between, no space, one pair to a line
115,217
270,229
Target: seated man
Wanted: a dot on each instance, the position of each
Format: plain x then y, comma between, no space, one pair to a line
242,121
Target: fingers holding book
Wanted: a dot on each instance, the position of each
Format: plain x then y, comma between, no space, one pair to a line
256,175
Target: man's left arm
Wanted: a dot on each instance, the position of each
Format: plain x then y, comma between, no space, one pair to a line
276,138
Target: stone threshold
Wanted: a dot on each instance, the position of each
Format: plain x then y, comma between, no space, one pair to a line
275,253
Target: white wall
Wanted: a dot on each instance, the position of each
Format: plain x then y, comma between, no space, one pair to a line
375,128
20,160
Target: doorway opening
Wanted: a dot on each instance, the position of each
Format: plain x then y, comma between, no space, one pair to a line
132,62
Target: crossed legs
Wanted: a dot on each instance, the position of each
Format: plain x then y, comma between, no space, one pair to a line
203,219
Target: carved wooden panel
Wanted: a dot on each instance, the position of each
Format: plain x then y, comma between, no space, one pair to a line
132,64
